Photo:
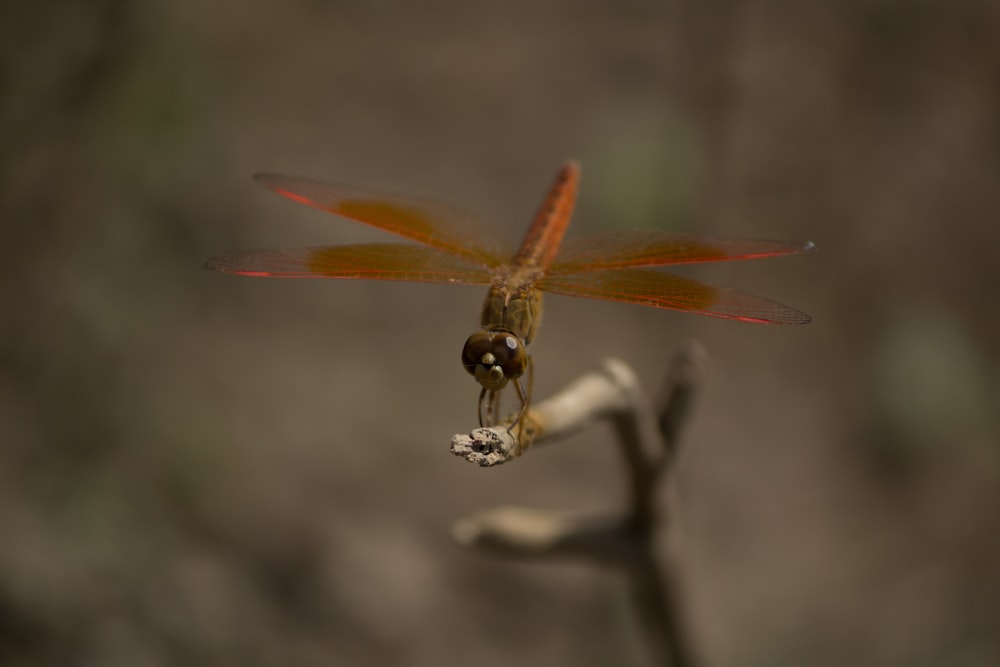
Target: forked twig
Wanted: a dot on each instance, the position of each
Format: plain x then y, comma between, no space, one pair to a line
614,390
649,441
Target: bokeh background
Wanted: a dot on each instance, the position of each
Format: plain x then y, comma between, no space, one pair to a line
203,469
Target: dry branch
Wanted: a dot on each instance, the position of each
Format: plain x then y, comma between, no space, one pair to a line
648,441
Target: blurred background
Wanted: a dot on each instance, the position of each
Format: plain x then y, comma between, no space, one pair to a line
202,469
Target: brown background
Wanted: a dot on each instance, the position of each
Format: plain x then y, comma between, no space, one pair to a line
200,469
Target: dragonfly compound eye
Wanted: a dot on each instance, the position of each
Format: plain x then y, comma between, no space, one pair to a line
494,358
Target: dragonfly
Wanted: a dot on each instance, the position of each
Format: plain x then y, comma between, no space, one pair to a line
452,248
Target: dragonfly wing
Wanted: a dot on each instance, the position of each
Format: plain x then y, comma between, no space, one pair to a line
665,290
651,247
428,222
378,261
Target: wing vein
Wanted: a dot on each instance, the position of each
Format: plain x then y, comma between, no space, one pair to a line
658,289
376,261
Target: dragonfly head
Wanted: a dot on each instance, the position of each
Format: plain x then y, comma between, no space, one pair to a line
494,358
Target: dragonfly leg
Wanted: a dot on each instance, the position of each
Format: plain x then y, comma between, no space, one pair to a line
494,407
531,381
519,419
525,396
491,400
482,399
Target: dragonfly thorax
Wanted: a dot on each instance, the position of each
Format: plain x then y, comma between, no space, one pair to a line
513,306
494,357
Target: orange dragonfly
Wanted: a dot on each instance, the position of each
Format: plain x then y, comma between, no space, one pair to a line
612,266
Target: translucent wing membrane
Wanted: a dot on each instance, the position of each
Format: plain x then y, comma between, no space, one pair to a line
664,290
380,261
636,248
456,249
432,223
